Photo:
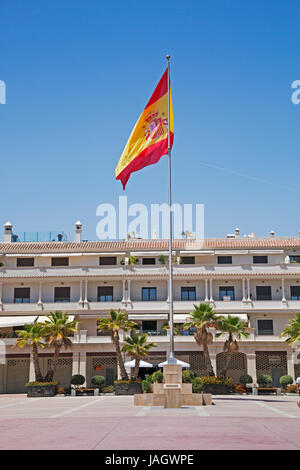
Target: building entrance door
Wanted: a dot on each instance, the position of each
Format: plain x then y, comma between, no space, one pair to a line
276,374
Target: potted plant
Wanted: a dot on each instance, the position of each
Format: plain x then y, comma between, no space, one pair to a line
132,260
41,389
216,385
264,380
162,259
246,379
128,387
286,380
98,381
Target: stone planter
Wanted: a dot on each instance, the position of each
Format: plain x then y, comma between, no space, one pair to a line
128,389
35,391
216,389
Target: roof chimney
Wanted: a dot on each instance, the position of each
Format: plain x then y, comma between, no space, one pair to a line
8,232
78,231
237,232
272,234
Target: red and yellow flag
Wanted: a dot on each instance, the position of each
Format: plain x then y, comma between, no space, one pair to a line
149,139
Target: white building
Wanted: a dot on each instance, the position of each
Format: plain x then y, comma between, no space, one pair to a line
257,278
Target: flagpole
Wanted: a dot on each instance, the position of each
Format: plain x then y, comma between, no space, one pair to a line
171,358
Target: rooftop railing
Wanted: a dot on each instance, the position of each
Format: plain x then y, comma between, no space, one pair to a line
54,236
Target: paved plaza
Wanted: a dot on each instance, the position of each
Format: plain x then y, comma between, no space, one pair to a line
111,422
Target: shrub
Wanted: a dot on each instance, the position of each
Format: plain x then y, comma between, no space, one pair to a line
162,259
238,388
98,381
188,376
108,389
216,380
286,380
146,386
197,385
40,384
77,380
157,377
245,379
129,381
264,379
132,260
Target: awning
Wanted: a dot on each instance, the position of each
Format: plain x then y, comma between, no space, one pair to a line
6,322
242,316
150,316
180,318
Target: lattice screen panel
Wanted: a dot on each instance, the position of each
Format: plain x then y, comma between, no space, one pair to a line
197,363
237,365
297,370
17,362
61,362
265,362
104,361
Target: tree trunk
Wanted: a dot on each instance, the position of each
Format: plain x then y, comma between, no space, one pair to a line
36,364
120,361
52,368
207,360
136,368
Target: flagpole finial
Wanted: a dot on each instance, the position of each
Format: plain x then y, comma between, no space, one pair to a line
168,57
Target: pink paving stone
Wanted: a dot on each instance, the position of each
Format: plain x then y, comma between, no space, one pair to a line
151,433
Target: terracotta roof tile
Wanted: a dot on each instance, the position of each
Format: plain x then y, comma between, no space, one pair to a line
148,244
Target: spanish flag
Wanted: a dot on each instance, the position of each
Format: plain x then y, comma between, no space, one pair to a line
149,139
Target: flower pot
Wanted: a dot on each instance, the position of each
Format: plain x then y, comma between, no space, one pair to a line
35,391
216,389
128,388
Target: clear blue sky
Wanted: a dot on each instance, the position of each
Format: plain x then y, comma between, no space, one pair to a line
79,73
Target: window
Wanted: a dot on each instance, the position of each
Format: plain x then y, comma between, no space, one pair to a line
188,293
260,260
25,262
105,293
295,292
107,260
60,262
22,295
148,260
226,292
149,325
263,293
265,327
295,259
148,293
62,294
188,259
224,259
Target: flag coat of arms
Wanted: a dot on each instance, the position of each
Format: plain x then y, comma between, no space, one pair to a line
149,139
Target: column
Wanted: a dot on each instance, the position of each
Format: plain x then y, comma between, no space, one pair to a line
213,358
128,290
31,370
1,293
75,363
40,301
206,290
283,291
168,291
251,366
86,302
123,291
248,290
211,290
82,364
244,290
80,294
290,365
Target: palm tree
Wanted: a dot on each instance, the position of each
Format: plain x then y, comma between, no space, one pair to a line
292,330
137,347
235,328
116,322
202,318
32,336
56,330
